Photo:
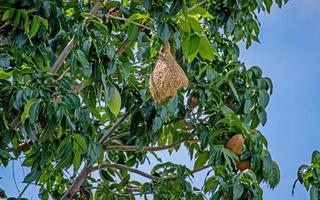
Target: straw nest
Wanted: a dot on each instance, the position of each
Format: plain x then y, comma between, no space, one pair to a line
167,77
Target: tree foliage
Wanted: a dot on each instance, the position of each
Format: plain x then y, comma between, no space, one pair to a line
74,97
309,176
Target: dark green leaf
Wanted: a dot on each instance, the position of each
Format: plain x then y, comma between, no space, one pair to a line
238,190
175,7
164,32
132,31
194,43
314,193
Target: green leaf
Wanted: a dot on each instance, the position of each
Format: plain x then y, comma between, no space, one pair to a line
17,20
81,57
314,193
76,157
238,190
274,176
25,17
263,98
193,47
34,27
32,176
205,49
235,93
210,185
230,25
164,32
268,4
81,141
184,26
175,7
262,115
115,103
105,175
66,161
195,24
315,159
248,106
34,112
26,111
279,3
202,159
64,148
132,31
8,14
301,172
5,75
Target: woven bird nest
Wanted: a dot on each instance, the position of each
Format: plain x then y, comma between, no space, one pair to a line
167,77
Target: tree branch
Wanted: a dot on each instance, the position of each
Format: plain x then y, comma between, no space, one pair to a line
139,172
20,146
24,189
123,47
117,136
77,183
145,149
114,127
120,166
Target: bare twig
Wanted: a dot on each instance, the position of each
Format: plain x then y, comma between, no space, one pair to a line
63,74
120,166
197,5
139,172
24,189
4,25
15,123
114,127
108,16
14,177
20,146
117,136
145,149
200,169
123,47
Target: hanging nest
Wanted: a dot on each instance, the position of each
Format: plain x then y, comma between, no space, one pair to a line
167,77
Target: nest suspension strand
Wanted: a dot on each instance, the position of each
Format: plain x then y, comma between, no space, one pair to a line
167,77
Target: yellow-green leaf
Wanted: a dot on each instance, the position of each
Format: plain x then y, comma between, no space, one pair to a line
205,49
115,103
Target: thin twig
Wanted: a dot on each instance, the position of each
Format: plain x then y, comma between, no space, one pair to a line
114,127
24,189
117,136
123,47
145,149
20,146
14,177
63,74
120,166
197,5
108,16
139,172
4,25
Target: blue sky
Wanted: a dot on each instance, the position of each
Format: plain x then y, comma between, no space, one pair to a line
289,54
